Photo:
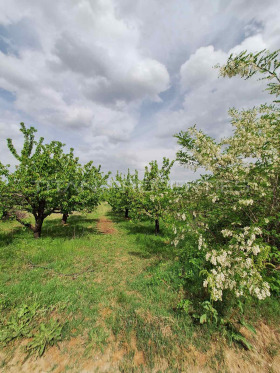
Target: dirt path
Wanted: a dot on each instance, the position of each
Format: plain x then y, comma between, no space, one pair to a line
106,226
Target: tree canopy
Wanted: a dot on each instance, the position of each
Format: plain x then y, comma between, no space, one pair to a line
48,180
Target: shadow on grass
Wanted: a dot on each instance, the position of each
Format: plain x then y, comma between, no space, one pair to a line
139,254
153,246
144,227
117,217
6,238
149,245
76,227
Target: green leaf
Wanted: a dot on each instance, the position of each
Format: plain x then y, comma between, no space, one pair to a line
203,318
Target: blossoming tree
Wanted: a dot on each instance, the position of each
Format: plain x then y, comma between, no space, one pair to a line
234,210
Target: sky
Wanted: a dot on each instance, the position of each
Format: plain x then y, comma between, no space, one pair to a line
116,79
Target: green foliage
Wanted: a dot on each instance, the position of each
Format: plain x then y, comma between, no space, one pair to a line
47,180
85,190
145,199
48,335
5,199
226,224
249,327
225,232
210,315
239,338
153,198
122,192
28,143
234,334
23,323
184,305
18,325
248,64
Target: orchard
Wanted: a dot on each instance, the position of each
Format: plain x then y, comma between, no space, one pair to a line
221,230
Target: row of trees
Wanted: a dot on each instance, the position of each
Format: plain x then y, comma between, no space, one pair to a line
47,180
143,199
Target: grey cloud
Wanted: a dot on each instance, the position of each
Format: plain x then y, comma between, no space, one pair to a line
80,58
129,86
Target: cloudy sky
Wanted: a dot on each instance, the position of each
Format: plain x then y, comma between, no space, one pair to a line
116,79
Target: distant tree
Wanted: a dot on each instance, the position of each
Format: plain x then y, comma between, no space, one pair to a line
85,190
153,198
122,191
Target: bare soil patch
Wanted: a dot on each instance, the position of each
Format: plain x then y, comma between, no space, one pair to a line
106,226
69,356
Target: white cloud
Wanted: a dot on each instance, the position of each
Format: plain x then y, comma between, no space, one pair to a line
206,97
199,68
96,73
252,44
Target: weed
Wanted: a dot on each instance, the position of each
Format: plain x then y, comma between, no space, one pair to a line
97,339
48,335
184,305
18,324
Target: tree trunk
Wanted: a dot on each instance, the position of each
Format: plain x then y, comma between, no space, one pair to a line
39,216
37,229
64,218
156,226
5,215
126,213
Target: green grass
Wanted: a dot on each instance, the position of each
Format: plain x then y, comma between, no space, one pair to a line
109,289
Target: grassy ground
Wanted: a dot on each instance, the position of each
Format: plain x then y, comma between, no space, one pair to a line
106,291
